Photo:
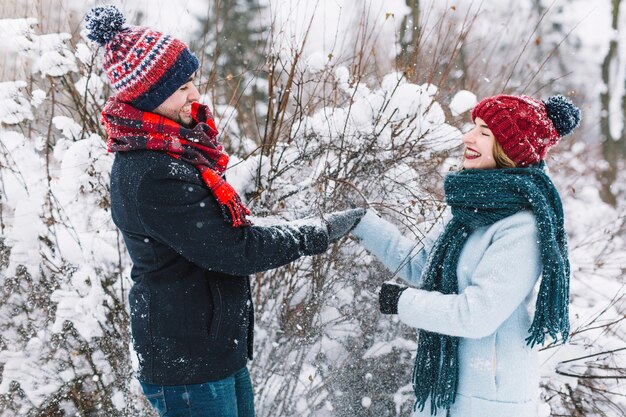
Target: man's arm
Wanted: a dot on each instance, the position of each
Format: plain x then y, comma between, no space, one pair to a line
185,216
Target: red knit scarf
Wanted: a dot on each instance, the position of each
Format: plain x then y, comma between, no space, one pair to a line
130,129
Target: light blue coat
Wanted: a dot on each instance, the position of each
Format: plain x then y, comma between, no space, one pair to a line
497,270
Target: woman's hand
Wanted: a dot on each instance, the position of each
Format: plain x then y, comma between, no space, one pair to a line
388,297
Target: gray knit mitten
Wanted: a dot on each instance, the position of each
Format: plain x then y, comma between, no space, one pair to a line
339,223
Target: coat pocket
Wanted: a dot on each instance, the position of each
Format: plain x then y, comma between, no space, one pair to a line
216,320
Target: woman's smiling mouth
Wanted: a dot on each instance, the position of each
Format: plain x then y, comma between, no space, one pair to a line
472,154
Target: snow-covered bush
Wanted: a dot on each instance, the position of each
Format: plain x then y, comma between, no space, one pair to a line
64,343
319,315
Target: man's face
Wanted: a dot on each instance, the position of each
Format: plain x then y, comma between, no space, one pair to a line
178,106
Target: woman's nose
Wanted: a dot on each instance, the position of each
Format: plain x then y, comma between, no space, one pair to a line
468,137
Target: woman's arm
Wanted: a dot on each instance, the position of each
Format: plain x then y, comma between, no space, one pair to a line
404,257
504,277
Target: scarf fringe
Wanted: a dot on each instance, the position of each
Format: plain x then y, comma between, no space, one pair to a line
552,311
235,213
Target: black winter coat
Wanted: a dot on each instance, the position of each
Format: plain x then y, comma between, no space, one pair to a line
190,305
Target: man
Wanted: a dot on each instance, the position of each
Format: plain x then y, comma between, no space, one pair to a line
185,227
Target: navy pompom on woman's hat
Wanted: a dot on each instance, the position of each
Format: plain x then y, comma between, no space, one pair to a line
144,66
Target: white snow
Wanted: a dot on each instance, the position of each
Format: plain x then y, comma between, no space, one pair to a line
462,101
82,305
366,402
52,56
84,53
71,130
38,97
14,106
15,33
316,62
91,87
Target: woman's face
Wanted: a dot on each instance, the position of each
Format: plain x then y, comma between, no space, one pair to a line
479,147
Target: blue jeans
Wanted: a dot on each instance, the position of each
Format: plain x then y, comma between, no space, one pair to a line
228,397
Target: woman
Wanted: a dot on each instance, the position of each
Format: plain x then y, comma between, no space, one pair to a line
475,354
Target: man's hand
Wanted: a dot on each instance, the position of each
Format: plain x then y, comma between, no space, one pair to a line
339,223
388,297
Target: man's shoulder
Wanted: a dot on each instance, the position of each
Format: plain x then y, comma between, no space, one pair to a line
154,165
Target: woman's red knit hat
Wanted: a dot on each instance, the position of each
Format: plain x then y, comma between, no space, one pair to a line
526,127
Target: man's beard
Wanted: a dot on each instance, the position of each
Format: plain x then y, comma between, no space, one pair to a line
189,124
175,115
178,118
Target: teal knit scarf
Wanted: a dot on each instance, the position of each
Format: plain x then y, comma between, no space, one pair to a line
480,198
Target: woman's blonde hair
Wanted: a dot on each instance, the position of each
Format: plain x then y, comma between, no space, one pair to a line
502,160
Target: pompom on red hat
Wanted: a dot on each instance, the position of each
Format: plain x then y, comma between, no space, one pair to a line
144,66
526,127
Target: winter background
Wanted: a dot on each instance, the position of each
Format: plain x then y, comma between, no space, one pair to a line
320,103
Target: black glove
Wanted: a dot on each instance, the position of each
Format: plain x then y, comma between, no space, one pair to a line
339,223
388,298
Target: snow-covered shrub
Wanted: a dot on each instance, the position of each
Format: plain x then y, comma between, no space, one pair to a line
64,343
381,148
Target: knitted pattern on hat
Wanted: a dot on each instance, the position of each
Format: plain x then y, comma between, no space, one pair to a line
526,127
144,66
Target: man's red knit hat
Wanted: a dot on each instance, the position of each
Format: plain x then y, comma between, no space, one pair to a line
526,127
